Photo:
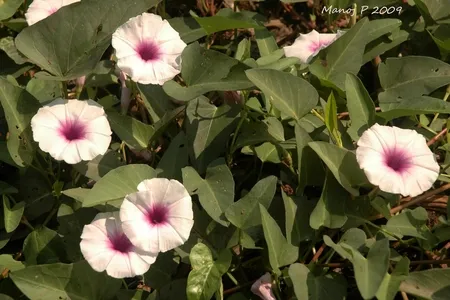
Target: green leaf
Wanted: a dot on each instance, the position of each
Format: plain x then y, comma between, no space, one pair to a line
266,42
360,106
431,284
330,209
44,246
118,183
343,56
309,287
19,107
292,95
342,163
227,19
206,275
133,132
391,282
188,29
155,100
406,79
174,159
331,120
385,43
206,70
408,223
8,46
65,281
8,8
297,212
266,152
44,90
215,192
12,216
8,262
161,271
370,272
7,189
308,163
253,133
436,10
353,238
243,50
100,165
208,129
281,253
245,213
70,42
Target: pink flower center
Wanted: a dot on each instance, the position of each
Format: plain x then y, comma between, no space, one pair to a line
52,10
148,51
398,160
313,47
119,242
157,215
72,130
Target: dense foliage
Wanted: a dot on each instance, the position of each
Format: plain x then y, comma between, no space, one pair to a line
266,144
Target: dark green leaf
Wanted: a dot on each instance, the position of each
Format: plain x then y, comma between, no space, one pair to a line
188,29
245,212
207,70
70,42
227,19
297,212
330,209
281,253
215,192
208,129
174,159
8,8
44,246
292,95
409,223
19,107
360,106
65,281
100,165
206,275
161,272
12,215
431,284
309,287
391,282
133,132
156,100
118,183
342,163
344,55
406,79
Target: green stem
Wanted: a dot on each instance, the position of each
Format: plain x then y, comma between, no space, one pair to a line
316,113
232,278
26,223
238,128
64,89
125,284
447,94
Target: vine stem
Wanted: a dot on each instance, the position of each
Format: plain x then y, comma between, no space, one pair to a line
410,202
437,137
412,263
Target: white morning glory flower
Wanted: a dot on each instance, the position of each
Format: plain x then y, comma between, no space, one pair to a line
106,247
72,130
41,9
397,160
159,216
148,49
263,287
306,46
